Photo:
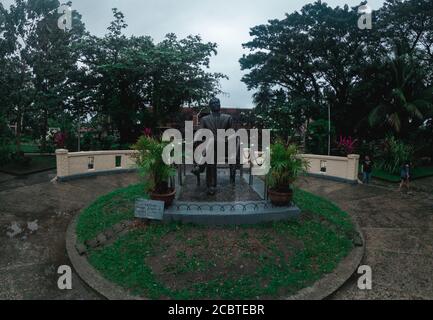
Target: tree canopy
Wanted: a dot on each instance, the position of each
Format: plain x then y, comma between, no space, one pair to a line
374,81
125,83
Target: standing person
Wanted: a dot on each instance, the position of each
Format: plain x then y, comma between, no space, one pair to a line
405,176
367,169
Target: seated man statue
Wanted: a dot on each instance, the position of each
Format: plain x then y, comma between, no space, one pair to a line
213,122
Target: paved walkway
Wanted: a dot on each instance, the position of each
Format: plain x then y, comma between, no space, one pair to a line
34,214
398,229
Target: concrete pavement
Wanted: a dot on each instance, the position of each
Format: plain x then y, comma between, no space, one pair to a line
34,215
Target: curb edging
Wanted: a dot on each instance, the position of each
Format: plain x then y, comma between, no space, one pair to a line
90,275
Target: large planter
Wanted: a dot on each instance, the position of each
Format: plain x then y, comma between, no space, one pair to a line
281,199
166,198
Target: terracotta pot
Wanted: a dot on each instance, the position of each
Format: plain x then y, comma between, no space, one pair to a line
280,198
166,198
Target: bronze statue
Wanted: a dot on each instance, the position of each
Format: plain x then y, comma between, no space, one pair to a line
216,120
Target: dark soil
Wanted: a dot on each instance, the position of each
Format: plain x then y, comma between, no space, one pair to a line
204,255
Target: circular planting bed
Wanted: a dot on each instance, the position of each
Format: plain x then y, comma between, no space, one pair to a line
174,261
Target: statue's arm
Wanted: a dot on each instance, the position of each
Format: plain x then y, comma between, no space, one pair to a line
230,123
203,124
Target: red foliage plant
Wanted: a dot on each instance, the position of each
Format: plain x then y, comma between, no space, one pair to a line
147,132
347,145
60,139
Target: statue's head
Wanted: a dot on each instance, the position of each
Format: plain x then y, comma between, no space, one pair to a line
215,105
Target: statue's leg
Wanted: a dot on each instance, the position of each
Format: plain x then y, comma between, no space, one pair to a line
232,173
197,170
211,179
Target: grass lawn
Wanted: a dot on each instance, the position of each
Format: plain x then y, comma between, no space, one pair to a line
27,147
37,164
417,173
174,261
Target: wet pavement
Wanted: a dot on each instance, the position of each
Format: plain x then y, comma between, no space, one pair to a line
34,215
398,229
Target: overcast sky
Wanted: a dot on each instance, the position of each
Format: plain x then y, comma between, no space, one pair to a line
226,22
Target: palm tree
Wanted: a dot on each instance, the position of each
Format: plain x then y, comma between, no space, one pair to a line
405,102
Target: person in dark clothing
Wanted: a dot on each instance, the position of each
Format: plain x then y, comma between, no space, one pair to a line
405,175
367,169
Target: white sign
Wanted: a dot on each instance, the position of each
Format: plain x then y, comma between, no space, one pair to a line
149,209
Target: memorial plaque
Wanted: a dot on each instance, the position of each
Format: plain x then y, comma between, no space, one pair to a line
149,209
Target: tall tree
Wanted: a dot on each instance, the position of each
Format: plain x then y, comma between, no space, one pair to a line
40,57
313,55
132,74
406,100
318,57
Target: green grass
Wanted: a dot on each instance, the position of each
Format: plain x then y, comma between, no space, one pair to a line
324,232
27,147
107,211
417,173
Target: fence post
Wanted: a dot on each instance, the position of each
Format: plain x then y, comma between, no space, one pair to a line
62,162
353,167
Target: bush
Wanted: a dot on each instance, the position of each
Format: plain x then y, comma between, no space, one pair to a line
286,166
6,148
394,154
155,172
317,137
21,160
346,146
6,151
91,141
371,148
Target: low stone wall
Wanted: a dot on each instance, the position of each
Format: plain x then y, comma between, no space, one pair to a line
337,168
72,165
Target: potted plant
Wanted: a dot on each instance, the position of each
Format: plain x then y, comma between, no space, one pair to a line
286,166
155,172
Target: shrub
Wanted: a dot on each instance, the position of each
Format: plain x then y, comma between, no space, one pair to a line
371,148
60,140
6,148
6,151
286,166
20,159
317,137
153,169
394,154
91,141
346,145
